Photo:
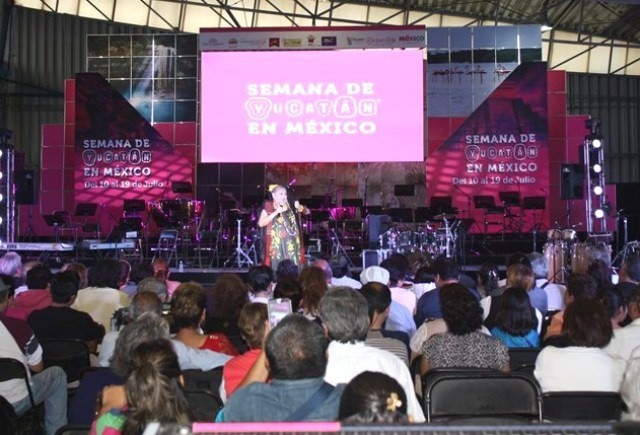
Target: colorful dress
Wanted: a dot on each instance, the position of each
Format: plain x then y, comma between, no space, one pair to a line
218,342
282,238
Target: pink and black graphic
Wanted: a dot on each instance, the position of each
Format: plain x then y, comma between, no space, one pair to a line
501,148
118,154
312,106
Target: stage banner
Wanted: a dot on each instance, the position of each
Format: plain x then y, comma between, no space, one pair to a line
118,154
311,38
500,151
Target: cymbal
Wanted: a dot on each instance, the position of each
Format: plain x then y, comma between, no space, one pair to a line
444,216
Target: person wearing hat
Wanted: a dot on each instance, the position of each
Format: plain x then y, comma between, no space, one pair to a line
400,318
18,342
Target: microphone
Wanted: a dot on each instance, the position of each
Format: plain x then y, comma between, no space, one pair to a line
291,183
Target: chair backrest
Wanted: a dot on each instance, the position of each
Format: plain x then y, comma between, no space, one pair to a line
481,397
204,404
8,417
582,405
69,354
209,380
74,429
13,369
523,358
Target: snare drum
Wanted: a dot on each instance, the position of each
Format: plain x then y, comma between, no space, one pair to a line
554,234
580,258
555,254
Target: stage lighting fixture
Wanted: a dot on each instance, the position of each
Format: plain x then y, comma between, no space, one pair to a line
597,168
1,197
0,153
599,213
1,175
597,190
596,143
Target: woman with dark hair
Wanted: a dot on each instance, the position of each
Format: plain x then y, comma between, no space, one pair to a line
224,302
583,365
373,397
488,280
516,320
613,301
152,392
290,289
254,325
600,271
314,286
463,345
188,313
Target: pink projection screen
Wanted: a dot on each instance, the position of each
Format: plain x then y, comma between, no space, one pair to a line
312,106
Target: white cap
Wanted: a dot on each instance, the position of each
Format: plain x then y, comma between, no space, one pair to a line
375,274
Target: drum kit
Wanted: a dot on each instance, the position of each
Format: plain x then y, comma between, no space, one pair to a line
425,239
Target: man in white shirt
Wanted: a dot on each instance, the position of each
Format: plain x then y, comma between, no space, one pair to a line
345,316
626,339
555,292
340,268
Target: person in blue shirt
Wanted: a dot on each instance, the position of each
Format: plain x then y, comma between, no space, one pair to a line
516,320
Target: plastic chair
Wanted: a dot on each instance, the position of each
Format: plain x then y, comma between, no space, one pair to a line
204,404
481,397
12,369
167,246
69,354
73,429
523,358
8,417
209,380
581,405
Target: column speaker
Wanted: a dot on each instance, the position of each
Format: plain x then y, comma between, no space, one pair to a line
26,184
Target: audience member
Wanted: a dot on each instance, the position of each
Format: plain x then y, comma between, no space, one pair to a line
154,285
140,271
600,271
11,264
324,266
81,270
487,278
102,298
188,311
629,276
373,397
296,351
345,316
378,298
340,269
22,279
290,289
579,286
555,292
224,302
400,318
152,392
397,266
254,326
161,270
18,342
287,270
38,295
516,320
60,321
630,390
423,281
314,285
447,272
626,339
260,279
463,345
583,365
614,302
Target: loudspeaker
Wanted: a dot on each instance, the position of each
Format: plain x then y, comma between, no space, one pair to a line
377,225
571,181
26,183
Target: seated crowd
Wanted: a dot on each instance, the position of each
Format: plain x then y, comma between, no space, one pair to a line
352,350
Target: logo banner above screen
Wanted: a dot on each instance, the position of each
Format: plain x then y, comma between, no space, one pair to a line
312,106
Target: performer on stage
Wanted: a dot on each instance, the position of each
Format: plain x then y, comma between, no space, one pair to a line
282,235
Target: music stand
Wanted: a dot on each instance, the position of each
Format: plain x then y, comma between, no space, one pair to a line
58,222
513,222
134,206
484,202
86,209
352,202
535,203
404,190
440,202
181,187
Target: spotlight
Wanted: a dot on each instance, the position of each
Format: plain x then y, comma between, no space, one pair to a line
597,143
1,175
0,153
597,190
1,197
597,168
599,213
